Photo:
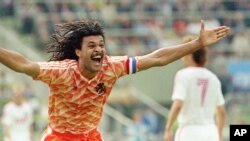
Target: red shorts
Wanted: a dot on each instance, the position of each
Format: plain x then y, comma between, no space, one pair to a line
50,135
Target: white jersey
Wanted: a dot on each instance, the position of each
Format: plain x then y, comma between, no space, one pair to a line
19,120
200,91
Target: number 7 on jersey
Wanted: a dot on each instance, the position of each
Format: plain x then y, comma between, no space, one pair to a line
203,84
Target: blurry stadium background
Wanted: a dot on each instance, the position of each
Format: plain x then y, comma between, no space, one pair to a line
133,27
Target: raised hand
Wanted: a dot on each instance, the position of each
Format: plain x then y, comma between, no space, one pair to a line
208,37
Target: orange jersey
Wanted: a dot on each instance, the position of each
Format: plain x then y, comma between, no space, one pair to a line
76,103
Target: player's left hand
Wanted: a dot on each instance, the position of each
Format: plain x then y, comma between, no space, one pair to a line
211,36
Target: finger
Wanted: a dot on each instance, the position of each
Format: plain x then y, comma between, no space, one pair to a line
221,28
222,32
227,30
202,27
221,36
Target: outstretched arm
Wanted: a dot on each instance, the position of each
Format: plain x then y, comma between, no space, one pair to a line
18,63
166,55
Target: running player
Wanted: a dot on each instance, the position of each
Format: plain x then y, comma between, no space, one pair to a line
197,100
80,75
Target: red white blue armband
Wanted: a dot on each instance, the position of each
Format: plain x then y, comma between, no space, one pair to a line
131,65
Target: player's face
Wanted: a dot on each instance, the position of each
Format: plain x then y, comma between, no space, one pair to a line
18,97
91,54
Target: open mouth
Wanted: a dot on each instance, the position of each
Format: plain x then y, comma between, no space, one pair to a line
97,58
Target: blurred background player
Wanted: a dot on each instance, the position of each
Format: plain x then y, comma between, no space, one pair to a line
197,99
17,118
139,130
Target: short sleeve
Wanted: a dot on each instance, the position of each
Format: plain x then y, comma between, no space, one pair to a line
124,65
221,100
54,72
6,118
180,87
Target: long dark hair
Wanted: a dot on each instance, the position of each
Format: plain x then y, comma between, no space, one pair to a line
68,37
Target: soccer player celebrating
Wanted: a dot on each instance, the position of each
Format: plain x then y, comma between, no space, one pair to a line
80,74
197,100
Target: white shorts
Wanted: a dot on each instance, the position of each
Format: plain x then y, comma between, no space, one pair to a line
19,136
197,133
18,139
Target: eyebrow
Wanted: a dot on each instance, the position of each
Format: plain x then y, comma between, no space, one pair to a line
92,42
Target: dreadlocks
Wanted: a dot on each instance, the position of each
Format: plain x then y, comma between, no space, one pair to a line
68,37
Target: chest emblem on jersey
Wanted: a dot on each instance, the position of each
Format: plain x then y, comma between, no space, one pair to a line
100,88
